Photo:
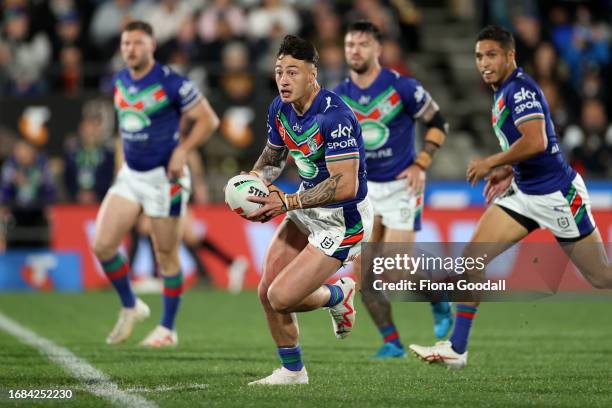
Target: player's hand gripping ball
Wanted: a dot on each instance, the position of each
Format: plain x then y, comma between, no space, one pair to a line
239,188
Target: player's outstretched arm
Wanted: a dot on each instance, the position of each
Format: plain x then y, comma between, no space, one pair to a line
271,163
203,121
533,141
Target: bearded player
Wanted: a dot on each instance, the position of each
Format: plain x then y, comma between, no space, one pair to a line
387,106
326,219
530,183
150,100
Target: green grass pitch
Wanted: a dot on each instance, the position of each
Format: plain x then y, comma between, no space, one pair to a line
521,354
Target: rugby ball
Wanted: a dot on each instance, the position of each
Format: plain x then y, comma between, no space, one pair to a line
239,188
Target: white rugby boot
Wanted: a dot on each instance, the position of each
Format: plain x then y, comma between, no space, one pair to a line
160,337
282,376
441,353
343,314
127,319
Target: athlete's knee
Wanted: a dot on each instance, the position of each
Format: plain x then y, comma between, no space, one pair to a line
168,261
103,249
279,300
262,292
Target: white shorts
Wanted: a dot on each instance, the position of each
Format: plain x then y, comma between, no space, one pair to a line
337,232
566,213
399,207
153,191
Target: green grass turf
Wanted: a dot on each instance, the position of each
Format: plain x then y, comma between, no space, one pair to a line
522,354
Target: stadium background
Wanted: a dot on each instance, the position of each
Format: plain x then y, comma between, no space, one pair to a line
56,59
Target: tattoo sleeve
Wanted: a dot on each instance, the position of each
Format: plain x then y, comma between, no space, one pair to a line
322,194
271,162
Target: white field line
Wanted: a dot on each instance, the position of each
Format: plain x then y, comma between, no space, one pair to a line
94,381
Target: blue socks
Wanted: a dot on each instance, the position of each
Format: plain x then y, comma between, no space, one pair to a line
173,288
464,316
335,295
116,270
390,335
291,358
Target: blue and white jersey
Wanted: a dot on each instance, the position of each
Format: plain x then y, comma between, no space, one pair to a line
386,111
149,111
328,132
518,100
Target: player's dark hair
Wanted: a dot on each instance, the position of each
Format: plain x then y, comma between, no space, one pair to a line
299,49
139,25
365,26
498,34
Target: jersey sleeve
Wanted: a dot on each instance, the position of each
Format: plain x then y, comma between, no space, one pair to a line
274,137
525,103
183,93
338,131
414,97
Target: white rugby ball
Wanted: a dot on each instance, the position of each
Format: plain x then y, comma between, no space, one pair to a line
239,188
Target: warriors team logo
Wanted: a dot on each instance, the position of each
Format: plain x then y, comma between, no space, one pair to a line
134,109
312,144
375,134
132,120
375,114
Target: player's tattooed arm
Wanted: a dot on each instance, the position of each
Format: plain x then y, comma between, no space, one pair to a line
271,162
341,185
320,195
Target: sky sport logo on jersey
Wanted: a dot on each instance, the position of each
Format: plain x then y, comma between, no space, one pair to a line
342,131
526,99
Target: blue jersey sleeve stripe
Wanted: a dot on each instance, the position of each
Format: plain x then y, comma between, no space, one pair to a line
192,103
527,118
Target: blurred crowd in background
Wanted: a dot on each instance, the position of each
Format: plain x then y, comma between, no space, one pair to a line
69,49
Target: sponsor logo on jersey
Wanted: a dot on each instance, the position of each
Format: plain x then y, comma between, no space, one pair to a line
555,149
329,105
524,95
525,99
343,144
342,131
186,88
419,94
379,154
